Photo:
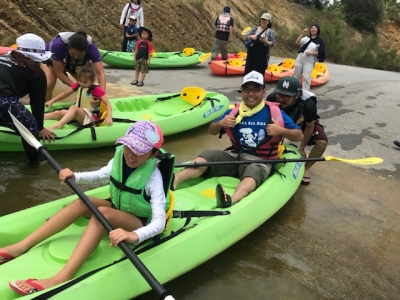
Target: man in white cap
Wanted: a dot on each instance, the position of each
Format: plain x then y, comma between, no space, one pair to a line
255,129
20,75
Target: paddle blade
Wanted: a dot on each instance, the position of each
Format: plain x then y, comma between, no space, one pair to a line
188,51
25,133
246,30
359,161
204,57
193,95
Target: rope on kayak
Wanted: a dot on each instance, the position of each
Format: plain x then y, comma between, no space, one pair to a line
188,214
90,125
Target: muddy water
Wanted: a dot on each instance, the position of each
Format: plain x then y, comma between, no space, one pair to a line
335,239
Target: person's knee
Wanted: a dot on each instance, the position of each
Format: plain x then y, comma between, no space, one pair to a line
321,145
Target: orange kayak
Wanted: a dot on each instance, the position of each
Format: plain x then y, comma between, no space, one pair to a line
275,72
235,66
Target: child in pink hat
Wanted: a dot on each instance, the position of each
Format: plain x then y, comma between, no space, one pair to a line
136,207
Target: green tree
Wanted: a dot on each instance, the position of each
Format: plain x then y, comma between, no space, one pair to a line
363,14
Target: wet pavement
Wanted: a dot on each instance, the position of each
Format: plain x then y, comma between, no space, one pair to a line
337,238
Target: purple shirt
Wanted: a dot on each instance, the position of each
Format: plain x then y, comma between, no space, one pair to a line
59,50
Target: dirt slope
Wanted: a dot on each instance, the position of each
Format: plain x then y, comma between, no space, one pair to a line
175,24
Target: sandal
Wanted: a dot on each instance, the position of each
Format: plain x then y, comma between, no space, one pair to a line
140,83
220,196
306,180
135,82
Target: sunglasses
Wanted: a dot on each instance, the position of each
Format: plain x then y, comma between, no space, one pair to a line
254,90
283,96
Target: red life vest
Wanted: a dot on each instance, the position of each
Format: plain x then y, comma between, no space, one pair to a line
223,22
266,148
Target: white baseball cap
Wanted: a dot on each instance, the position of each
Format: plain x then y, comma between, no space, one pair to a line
132,18
253,76
33,46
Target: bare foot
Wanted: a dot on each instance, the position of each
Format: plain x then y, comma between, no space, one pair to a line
54,127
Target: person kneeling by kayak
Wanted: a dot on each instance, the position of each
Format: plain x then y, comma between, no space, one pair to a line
137,216
255,128
301,106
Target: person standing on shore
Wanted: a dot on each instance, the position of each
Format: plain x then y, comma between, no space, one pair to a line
312,49
223,34
132,8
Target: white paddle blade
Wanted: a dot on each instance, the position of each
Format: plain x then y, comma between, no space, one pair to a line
25,133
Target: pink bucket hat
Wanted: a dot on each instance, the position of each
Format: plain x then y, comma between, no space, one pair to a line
142,137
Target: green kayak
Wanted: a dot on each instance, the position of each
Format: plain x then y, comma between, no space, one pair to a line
161,59
202,239
170,111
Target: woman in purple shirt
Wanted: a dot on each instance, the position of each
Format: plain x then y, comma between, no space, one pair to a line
71,50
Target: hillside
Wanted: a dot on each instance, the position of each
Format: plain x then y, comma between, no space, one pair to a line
175,24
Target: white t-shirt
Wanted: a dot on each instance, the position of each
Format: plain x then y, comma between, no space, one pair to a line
154,188
312,47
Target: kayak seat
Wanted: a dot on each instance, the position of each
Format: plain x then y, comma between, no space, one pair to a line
236,62
320,67
288,63
275,69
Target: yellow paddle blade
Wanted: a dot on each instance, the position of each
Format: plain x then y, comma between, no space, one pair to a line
193,95
188,51
246,30
103,110
153,54
242,54
204,57
359,161
238,62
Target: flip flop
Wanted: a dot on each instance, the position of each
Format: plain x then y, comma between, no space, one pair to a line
397,143
36,287
305,182
5,257
220,196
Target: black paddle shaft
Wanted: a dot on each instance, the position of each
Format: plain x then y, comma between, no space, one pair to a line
244,162
151,280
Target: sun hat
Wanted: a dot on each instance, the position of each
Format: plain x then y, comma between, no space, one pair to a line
33,46
142,137
133,18
288,85
266,16
227,9
141,29
253,76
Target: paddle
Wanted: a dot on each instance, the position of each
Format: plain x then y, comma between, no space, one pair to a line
360,161
151,280
246,30
204,57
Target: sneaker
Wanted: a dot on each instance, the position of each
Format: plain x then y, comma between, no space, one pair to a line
135,82
140,83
